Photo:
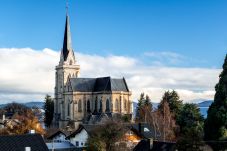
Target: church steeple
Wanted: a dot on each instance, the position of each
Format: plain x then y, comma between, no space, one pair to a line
67,43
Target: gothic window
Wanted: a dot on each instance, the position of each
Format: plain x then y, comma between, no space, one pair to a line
79,106
70,62
68,108
125,104
88,106
96,104
107,105
100,106
116,104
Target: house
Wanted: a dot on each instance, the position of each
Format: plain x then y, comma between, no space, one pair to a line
133,135
79,137
31,142
59,135
57,140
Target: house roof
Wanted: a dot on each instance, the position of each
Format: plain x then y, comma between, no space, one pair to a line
75,132
98,84
57,132
143,130
19,142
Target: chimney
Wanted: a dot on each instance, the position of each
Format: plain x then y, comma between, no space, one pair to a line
31,131
141,128
27,148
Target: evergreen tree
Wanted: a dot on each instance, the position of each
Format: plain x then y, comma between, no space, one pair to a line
190,121
139,107
216,123
49,110
173,99
144,107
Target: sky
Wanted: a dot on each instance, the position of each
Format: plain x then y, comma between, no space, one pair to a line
156,45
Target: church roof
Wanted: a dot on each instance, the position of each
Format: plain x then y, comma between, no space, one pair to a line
98,84
67,43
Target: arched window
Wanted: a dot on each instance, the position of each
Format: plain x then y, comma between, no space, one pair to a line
79,106
100,106
116,104
88,106
107,105
125,104
68,108
96,104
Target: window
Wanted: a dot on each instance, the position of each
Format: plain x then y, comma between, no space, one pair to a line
146,129
107,105
100,106
69,108
125,104
77,143
96,104
88,106
116,104
81,144
79,106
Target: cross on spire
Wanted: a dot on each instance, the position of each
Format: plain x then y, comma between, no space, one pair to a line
67,6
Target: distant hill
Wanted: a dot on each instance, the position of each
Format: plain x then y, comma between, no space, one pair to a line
29,104
205,103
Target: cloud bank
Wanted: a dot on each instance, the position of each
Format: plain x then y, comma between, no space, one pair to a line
27,75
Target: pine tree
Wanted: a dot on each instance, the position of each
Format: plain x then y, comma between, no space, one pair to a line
173,99
191,128
216,122
49,110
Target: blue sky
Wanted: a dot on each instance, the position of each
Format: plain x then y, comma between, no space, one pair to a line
193,29
156,45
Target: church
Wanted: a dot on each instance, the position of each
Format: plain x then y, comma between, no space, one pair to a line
86,100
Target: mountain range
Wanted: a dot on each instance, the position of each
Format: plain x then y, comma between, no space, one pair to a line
29,104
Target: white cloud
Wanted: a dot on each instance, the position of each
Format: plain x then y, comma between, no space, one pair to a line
164,57
27,74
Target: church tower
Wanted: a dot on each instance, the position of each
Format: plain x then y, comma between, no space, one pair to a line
67,68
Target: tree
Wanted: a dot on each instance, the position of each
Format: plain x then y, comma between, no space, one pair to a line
215,126
173,99
49,110
27,121
13,108
190,121
144,106
163,123
22,121
106,135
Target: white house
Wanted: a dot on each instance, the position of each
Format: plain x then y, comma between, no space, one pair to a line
79,137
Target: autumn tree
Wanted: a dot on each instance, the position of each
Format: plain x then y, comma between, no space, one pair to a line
49,110
216,123
163,123
27,121
22,121
104,136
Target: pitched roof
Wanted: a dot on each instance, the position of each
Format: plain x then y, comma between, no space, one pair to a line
143,130
57,132
98,84
19,142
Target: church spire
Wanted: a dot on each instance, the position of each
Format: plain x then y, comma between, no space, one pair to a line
67,43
